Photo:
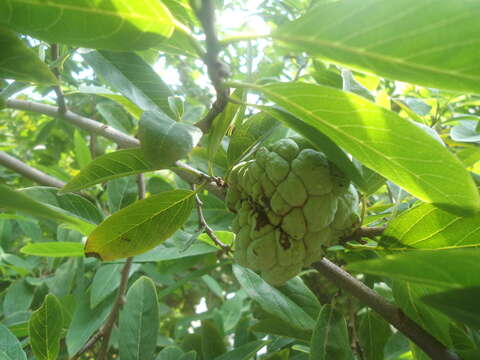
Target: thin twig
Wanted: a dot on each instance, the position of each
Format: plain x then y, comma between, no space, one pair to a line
217,70
394,315
203,225
62,107
186,172
355,342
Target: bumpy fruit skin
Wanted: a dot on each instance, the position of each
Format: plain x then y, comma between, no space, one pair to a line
290,202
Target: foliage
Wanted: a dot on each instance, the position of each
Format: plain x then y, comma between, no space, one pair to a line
122,125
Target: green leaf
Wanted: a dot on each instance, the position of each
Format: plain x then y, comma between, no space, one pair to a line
244,352
122,192
10,348
139,321
45,329
164,141
18,297
163,253
128,105
465,302
278,327
427,227
53,249
85,322
376,36
380,139
82,151
296,290
272,300
408,298
466,131
334,153
115,116
330,336
248,134
129,74
213,344
72,203
140,226
109,166
373,334
170,353
113,24
19,62
221,124
17,201
105,281
427,267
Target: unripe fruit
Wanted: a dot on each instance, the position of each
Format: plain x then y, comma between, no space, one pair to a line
291,202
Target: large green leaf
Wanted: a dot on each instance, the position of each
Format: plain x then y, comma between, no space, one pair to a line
10,348
427,227
114,24
164,141
105,281
459,304
394,147
19,62
53,249
17,201
110,166
140,226
373,334
272,300
45,329
431,43
275,326
85,322
330,336
408,297
444,268
129,74
139,322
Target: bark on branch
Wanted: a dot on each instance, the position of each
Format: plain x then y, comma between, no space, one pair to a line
186,172
394,315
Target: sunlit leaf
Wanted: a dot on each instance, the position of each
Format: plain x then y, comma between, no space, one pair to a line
427,227
376,36
380,139
140,226
113,24
444,268
109,166
53,249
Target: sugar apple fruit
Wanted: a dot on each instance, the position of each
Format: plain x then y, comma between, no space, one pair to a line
290,202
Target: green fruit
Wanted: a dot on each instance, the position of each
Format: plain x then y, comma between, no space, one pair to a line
291,203
163,140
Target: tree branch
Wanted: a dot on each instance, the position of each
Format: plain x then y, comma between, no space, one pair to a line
217,70
186,172
28,171
62,107
394,315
